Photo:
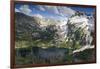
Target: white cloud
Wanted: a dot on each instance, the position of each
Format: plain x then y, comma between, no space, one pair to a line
66,11
25,9
41,8
38,15
17,10
59,10
52,9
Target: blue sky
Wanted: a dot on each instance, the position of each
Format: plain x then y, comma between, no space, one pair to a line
37,9
87,10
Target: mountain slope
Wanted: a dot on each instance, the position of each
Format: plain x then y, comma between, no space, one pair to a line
24,25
